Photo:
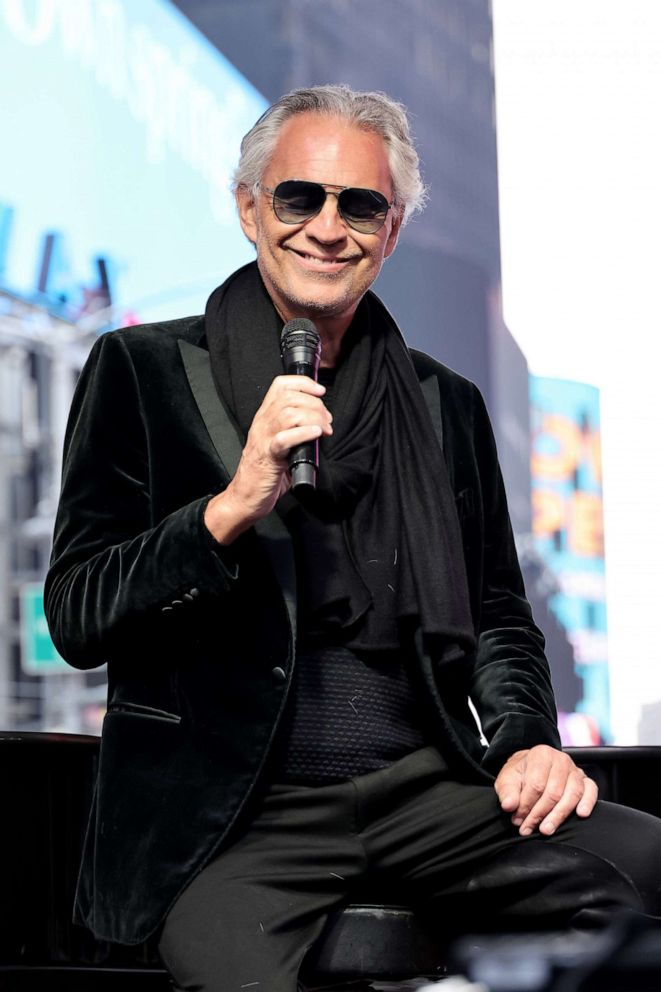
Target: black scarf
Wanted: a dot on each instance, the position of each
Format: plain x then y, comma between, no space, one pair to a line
378,545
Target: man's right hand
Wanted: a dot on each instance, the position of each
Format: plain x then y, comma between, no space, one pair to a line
291,413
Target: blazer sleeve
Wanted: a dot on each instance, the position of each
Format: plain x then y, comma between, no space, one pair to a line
511,684
113,566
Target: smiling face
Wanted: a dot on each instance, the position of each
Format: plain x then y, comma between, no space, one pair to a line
320,268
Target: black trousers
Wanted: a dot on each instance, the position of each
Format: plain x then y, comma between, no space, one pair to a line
247,920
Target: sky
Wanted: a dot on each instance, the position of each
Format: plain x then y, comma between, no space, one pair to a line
578,105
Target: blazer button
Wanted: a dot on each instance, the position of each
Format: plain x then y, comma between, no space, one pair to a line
279,675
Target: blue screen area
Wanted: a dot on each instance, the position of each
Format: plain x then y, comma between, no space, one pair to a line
120,128
568,528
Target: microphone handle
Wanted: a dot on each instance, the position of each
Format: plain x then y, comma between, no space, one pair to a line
303,462
302,368
304,458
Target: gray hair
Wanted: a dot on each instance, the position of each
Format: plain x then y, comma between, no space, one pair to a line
372,111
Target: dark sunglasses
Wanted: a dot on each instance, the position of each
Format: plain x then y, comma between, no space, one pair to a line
296,200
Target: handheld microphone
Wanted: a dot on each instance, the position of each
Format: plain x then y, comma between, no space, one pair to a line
300,346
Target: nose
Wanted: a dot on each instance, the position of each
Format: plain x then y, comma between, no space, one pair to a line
327,226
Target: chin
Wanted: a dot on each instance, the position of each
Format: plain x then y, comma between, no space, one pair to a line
323,295
319,307
328,295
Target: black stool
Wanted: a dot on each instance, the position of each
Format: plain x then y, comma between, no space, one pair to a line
372,942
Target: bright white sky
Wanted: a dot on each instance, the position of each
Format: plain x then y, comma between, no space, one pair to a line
578,86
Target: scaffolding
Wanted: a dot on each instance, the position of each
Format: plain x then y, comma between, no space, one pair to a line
41,355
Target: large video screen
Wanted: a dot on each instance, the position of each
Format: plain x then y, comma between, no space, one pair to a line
568,528
120,129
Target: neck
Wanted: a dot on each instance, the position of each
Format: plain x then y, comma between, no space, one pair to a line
331,333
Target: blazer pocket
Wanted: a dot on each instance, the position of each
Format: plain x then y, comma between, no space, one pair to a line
137,709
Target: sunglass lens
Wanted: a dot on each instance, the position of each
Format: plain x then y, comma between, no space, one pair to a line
364,209
295,201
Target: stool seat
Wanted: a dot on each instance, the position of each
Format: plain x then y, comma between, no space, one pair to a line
372,942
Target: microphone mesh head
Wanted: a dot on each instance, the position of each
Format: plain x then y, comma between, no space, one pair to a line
300,344
299,333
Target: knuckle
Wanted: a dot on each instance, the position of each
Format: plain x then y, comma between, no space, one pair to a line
554,795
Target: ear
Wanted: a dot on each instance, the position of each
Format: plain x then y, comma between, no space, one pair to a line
393,234
246,206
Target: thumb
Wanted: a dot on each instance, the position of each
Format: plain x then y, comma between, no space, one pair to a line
508,788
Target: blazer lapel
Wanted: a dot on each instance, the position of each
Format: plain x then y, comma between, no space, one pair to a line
227,442
432,396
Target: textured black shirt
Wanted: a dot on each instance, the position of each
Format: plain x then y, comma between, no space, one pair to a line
347,715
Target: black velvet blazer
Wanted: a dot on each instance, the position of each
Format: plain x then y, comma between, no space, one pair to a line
200,641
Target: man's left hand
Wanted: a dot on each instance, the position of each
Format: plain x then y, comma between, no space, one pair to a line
541,787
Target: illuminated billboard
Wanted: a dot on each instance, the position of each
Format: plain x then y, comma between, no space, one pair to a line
569,536
118,147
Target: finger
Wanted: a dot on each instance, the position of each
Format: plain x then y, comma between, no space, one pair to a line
553,808
508,788
589,799
539,777
295,398
288,408
586,789
286,439
298,383
291,404
291,417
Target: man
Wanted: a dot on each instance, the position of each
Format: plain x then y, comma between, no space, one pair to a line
289,675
